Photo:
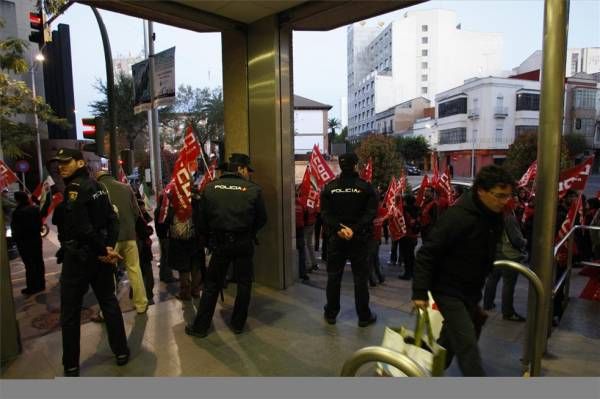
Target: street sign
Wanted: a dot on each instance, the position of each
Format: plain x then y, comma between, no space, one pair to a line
22,166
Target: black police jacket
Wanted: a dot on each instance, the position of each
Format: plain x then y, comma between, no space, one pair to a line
460,251
231,204
87,216
351,201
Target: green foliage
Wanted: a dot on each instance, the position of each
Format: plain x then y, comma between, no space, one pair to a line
17,99
382,151
341,138
523,151
575,143
412,148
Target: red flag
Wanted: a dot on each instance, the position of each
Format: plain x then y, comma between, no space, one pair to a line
367,172
529,175
309,192
402,185
7,176
391,194
436,174
181,192
57,198
445,185
574,178
208,176
421,192
192,150
164,203
397,222
319,168
569,220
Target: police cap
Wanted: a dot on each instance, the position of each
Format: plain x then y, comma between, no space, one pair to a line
67,154
348,160
241,160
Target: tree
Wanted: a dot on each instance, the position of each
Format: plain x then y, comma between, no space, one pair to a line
333,124
382,151
412,148
132,128
576,144
17,99
341,138
523,151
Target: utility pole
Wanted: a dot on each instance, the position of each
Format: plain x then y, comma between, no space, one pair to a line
38,145
110,95
155,141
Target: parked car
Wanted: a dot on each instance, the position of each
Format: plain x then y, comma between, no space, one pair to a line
412,170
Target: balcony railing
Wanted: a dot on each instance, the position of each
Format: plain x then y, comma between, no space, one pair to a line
473,113
500,112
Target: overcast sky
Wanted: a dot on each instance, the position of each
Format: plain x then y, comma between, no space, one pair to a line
198,55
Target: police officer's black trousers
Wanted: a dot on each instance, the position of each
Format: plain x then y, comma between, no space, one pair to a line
338,250
31,254
239,253
76,277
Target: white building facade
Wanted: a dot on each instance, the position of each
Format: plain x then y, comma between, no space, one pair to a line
310,125
421,54
477,121
586,60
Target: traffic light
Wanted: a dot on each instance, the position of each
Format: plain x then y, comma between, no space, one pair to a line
40,33
93,129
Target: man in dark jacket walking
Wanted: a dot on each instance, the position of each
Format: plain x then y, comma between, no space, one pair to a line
230,213
26,224
88,229
348,207
455,261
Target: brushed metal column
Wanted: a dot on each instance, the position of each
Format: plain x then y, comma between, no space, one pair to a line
556,17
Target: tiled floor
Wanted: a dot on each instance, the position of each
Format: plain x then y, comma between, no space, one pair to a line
286,336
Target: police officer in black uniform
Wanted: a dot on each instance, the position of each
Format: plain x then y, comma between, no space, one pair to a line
348,207
88,229
231,211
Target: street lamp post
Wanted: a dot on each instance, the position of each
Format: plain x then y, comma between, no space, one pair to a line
40,58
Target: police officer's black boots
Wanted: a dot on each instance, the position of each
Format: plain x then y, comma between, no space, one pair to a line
72,372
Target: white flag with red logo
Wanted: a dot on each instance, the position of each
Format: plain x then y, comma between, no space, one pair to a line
122,177
574,178
367,172
529,175
7,176
569,220
42,190
319,168
181,191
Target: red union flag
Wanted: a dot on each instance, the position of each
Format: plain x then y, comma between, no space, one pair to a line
402,184
397,223
192,150
7,176
208,176
569,220
529,175
309,191
446,186
367,173
421,192
574,178
319,168
181,191
391,193
165,202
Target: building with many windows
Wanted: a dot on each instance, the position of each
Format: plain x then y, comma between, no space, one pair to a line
586,60
421,54
399,119
477,121
582,108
